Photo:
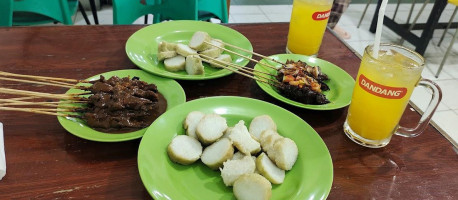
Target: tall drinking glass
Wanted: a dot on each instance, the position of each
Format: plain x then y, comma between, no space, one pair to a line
381,93
308,23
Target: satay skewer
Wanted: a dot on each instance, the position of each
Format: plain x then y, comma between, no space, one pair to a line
44,77
252,52
40,94
244,69
37,82
239,66
41,102
243,74
243,56
31,110
46,104
61,83
20,98
53,109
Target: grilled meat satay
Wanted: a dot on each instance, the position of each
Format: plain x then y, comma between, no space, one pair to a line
302,82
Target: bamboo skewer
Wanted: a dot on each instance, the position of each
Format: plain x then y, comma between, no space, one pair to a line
43,77
31,110
61,83
50,109
40,94
47,104
41,102
20,98
238,72
252,52
36,82
247,68
246,57
215,61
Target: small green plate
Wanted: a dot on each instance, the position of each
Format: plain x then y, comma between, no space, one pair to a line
340,83
141,47
310,178
170,89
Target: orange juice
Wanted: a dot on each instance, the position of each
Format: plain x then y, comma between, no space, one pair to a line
308,23
382,90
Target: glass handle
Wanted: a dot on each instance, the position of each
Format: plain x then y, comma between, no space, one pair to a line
428,114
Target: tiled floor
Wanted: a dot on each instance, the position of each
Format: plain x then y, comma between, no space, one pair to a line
446,116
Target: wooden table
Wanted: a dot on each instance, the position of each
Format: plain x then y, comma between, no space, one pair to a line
46,162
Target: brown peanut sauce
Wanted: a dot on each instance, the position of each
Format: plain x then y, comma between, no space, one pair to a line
159,108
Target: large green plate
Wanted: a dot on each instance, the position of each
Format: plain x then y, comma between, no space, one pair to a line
141,47
170,89
310,178
340,83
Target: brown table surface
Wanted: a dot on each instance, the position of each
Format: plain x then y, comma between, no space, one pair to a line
44,161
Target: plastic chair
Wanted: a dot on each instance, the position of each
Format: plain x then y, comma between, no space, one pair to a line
210,8
32,12
127,11
6,13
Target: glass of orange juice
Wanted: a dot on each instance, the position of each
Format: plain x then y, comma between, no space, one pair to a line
381,93
306,28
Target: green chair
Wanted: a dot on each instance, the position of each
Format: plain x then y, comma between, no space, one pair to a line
33,12
6,13
127,11
212,8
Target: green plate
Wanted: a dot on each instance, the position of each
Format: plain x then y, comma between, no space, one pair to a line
310,178
170,89
141,47
340,83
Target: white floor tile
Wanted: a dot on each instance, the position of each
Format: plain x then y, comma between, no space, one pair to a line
79,20
421,98
430,71
359,46
449,92
250,18
279,17
347,20
106,18
358,34
450,69
276,9
235,10
447,121
231,19
355,14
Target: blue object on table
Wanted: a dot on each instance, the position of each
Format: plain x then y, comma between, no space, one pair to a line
127,11
33,12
